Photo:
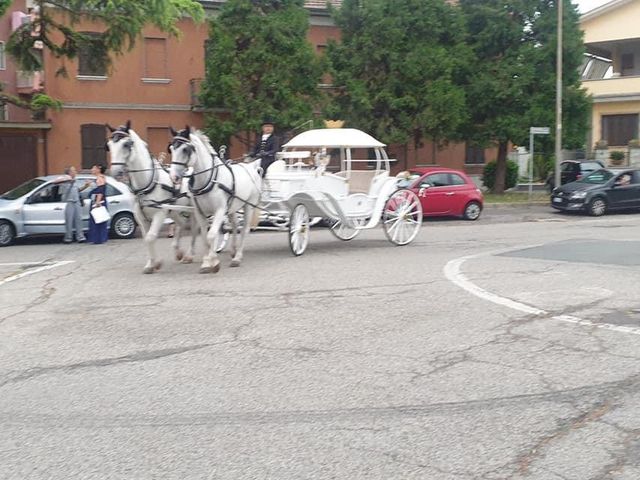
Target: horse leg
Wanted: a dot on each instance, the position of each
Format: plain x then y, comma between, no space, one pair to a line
144,225
237,254
233,221
150,238
211,262
193,225
178,223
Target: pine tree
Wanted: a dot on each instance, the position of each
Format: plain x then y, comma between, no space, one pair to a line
513,83
399,69
259,63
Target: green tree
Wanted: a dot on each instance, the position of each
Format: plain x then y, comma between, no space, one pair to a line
259,63
399,68
513,81
121,20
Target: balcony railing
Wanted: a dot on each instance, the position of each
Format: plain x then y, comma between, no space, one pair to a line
29,82
612,88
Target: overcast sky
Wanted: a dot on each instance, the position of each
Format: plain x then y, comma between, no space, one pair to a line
586,5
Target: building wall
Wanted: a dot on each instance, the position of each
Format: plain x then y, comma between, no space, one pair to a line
613,32
153,97
126,94
616,24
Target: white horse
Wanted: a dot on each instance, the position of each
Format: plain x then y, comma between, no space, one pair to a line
218,189
153,188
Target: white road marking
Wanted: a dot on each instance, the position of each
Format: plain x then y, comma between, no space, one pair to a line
31,271
452,270
15,264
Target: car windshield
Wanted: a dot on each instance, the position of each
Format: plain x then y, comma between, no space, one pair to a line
598,177
23,189
409,179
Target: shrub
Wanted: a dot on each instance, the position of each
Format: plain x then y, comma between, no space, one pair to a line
617,155
489,175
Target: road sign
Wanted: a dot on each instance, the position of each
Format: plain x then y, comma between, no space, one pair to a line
539,130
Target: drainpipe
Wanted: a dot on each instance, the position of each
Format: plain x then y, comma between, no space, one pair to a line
46,153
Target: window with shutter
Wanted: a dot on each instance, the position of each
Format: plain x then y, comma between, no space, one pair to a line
89,64
3,62
617,130
155,58
474,155
158,139
93,139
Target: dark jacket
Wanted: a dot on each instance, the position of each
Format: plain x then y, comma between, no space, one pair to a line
266,150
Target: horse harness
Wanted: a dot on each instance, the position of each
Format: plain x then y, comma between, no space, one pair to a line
151,185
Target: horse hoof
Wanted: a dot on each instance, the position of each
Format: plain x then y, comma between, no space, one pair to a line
214,269
179,255
148,270
157,266
235,263
186,259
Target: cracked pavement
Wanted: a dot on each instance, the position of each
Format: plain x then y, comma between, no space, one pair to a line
358,360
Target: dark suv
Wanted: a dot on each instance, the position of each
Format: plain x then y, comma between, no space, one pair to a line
572,170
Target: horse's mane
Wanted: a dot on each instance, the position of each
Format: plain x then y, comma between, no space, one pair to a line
140,146
205,140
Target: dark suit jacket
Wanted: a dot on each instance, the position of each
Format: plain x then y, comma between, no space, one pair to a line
270,149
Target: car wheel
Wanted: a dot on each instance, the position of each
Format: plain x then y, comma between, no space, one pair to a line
472,211
123,225
7,233
597,207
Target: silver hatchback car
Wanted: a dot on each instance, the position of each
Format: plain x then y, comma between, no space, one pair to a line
35,208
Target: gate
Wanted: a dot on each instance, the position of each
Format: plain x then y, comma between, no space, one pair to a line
18,159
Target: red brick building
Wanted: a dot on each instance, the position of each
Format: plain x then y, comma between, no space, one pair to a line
155,86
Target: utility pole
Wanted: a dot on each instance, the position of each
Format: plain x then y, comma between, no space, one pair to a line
559,95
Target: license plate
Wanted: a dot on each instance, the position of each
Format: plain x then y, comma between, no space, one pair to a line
557,200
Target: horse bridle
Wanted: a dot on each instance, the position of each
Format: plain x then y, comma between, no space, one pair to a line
213,170
152,182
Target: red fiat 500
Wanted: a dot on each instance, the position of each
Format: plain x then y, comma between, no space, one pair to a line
445,192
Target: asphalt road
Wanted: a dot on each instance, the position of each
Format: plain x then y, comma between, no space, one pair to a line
503,349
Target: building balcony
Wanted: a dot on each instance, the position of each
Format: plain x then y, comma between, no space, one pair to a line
614,89
29,83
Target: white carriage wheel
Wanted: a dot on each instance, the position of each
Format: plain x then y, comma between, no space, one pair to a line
343,232
299,230
402,217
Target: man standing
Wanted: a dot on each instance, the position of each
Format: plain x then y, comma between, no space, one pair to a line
70,194
266,146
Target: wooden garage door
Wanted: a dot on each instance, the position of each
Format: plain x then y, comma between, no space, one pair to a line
18,159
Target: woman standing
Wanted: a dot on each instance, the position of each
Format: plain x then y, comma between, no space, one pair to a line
98,232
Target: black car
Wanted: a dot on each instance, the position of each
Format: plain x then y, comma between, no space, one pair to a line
572,170
603,190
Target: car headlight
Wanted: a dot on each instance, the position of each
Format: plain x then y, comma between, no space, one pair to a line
577,195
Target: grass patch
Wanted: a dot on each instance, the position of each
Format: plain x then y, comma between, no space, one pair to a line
516,197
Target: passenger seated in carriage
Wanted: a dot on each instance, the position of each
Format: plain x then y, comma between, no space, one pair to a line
266,146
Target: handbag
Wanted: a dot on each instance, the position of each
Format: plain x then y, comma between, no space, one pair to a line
100,214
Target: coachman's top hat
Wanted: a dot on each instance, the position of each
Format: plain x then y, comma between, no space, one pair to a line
268,121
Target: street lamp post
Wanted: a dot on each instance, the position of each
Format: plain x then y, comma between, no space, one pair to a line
559,95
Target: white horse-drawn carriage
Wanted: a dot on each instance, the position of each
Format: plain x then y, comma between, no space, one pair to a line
299,186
